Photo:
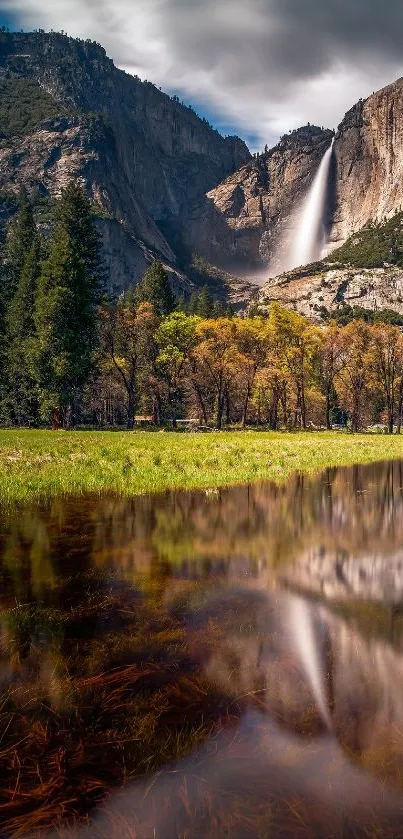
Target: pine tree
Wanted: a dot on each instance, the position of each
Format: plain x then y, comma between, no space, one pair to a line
22,392
182,304
155,288
15,245
15,250
193,303
5,284
20,237
205,303
65,313
218,309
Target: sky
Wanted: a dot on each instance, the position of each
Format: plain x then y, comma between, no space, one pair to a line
256,68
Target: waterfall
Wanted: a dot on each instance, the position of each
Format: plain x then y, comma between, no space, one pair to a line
310,236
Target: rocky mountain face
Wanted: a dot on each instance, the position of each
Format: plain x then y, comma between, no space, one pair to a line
165,184
366,272
320,289
247,221
144,158
368,154
251,217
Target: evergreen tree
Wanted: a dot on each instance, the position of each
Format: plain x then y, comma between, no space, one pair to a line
15,245
181,304
20,237
155,288
193,303
205,303
22,393
218,309
65,313
15,249
5,282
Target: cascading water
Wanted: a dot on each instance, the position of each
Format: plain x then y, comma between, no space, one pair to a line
310,238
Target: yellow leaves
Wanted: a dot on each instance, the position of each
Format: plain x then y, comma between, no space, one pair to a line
107,365
221,330
282,359
216,342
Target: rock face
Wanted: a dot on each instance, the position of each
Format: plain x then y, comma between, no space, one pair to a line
323,288
166,184
144,158
335,576
248,219
368,154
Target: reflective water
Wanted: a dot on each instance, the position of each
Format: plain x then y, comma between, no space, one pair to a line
205,664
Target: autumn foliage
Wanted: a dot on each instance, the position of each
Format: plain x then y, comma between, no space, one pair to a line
281,371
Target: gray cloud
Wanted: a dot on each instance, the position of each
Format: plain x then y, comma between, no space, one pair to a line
264,65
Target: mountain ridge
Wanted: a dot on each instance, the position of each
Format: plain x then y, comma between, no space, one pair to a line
142,156
167,185
255,210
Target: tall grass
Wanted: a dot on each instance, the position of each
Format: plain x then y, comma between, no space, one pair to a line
45,463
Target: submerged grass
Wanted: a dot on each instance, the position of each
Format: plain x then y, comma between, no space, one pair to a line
45,463
81,717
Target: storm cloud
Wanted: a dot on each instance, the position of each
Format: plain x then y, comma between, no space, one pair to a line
260,67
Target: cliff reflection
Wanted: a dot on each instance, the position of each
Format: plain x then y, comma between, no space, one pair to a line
232,661
300,761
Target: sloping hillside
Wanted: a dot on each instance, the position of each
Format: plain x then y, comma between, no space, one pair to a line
366,273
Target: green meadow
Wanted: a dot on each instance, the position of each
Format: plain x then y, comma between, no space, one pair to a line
47,463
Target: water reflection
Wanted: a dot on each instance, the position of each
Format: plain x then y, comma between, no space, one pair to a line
226,665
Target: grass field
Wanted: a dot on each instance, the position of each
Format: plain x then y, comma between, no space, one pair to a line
44,463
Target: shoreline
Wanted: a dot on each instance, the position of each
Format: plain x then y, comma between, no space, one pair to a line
35,465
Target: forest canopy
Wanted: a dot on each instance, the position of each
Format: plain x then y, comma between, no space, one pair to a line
24,104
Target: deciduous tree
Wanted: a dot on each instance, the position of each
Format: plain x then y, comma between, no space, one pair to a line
353,378
176,340
218,356
387,361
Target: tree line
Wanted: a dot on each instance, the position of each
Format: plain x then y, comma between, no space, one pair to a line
72,355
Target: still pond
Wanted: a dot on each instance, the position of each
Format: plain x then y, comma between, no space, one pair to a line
192,664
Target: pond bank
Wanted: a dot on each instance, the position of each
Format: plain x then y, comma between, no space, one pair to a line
43,463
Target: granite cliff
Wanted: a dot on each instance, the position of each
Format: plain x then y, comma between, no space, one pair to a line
318,290
250,218
144,157
366,272
165,184
368,154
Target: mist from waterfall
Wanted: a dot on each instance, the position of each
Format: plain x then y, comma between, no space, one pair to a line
310,234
